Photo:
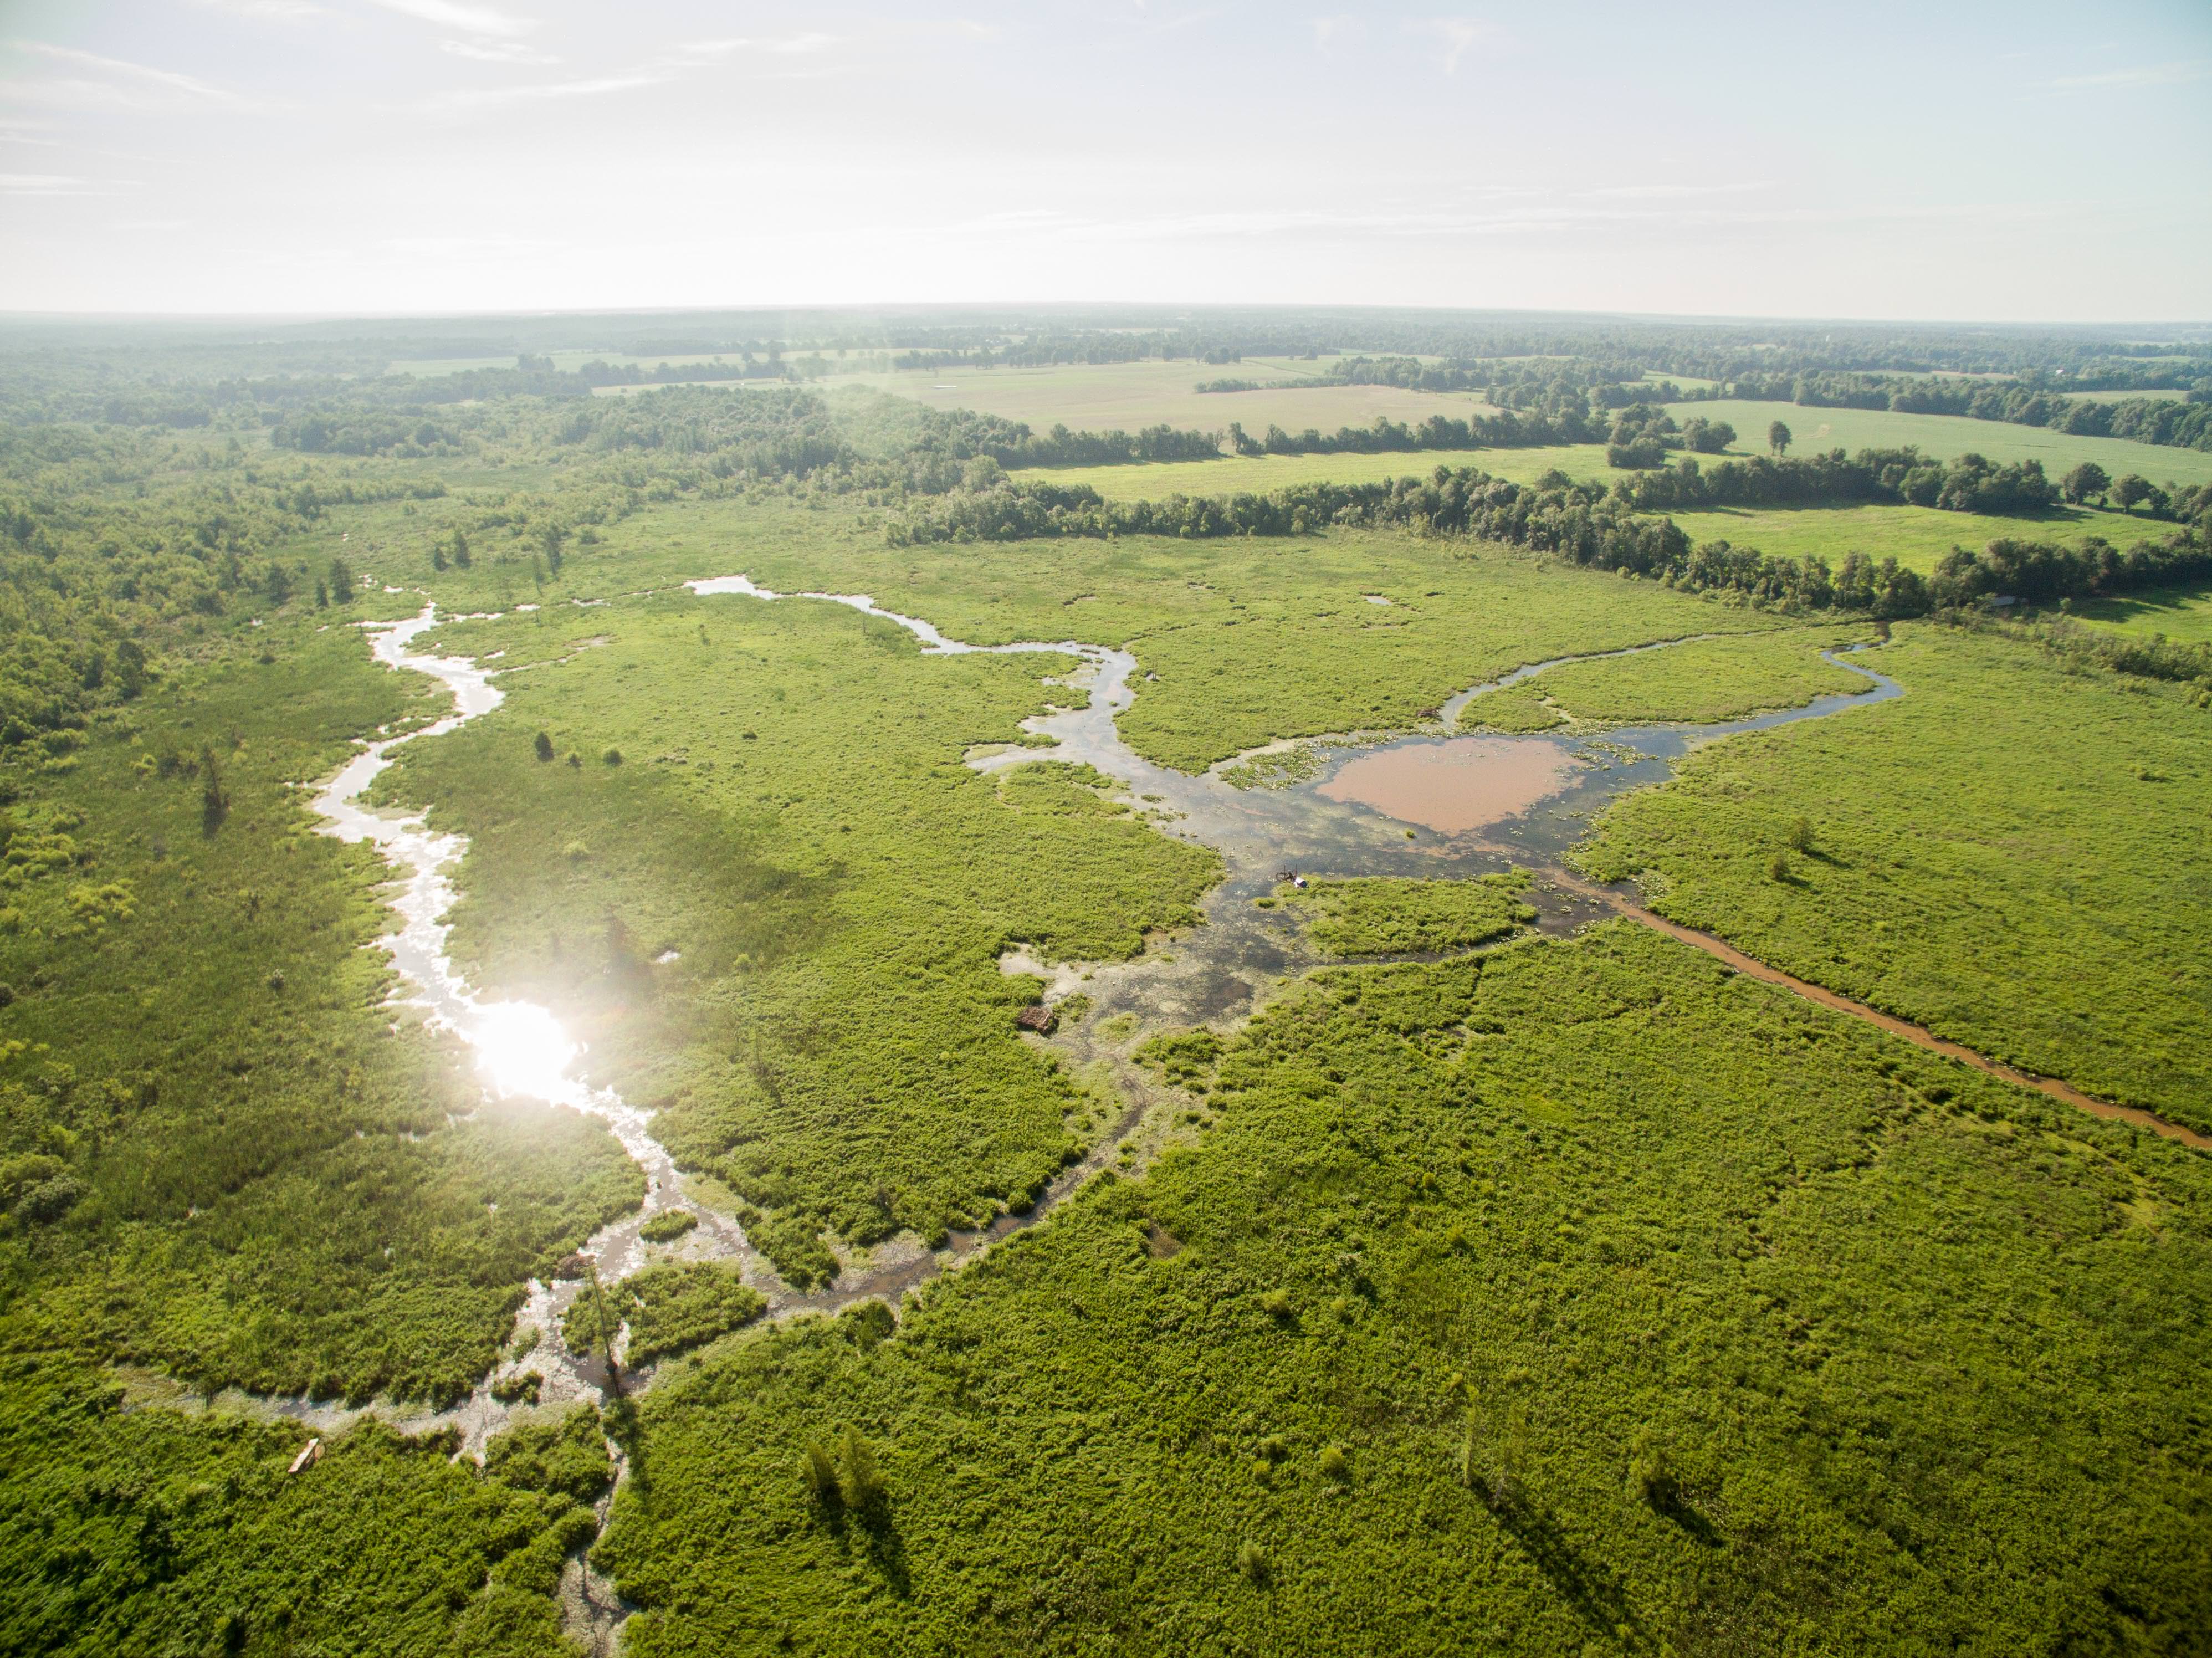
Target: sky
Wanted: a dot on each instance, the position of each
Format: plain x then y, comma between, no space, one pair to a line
2022,162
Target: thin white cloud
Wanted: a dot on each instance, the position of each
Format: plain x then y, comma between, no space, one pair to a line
1662,192
136,74
1325,29
455,14
498,52
546,91
1458,36
282,10
688,58
2145,75
50,184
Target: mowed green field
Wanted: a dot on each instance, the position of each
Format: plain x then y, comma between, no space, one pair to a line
1259,474
1946,437
1916,537
1131,395
2182,614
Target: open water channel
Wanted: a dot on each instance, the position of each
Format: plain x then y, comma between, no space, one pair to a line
1432,804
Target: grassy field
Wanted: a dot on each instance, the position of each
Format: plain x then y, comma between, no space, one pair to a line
266,1184
1243,643
1946,437
1705,682
2038,894
223,1161
1590,1299
1581,1295
1130,395
1916,537
1258,474
2182,614
789,813
1380,916
156,1531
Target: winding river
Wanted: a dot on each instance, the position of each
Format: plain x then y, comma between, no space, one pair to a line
1430,804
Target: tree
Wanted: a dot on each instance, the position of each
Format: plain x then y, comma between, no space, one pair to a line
130,667
215,804
544,744
460,549
341,581
2084,481
821,1473
1777,438
858,1480
2127,491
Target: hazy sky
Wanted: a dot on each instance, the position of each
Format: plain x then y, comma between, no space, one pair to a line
2015,160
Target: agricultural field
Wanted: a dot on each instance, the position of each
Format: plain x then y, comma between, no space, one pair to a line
1946,437
1257,474
2181,614
1916,537
1101,397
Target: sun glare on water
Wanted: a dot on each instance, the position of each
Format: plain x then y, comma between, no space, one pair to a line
521,1049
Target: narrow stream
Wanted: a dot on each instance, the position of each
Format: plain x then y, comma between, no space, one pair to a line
1430,804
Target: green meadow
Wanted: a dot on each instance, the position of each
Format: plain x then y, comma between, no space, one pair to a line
774,793
1530,1294
1100,397
1916,537
271,1182
2184,614
1240,643
1577,1298
1945,437
2038,896
1258,474
1705,681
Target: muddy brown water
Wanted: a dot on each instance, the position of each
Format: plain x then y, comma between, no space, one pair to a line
1430,804
1452,787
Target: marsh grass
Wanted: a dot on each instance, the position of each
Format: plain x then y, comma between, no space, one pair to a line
1719,1243
836,1042
1982,856
1380,915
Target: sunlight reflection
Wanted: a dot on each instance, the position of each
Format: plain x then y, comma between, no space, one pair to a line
521,1049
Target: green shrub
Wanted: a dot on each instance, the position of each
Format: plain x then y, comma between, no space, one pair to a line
668,1225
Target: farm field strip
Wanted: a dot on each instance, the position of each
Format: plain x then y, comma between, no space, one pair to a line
1101,397
1946,437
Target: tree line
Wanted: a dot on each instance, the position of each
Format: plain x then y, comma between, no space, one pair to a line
1507,430
1586,524
1972,484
